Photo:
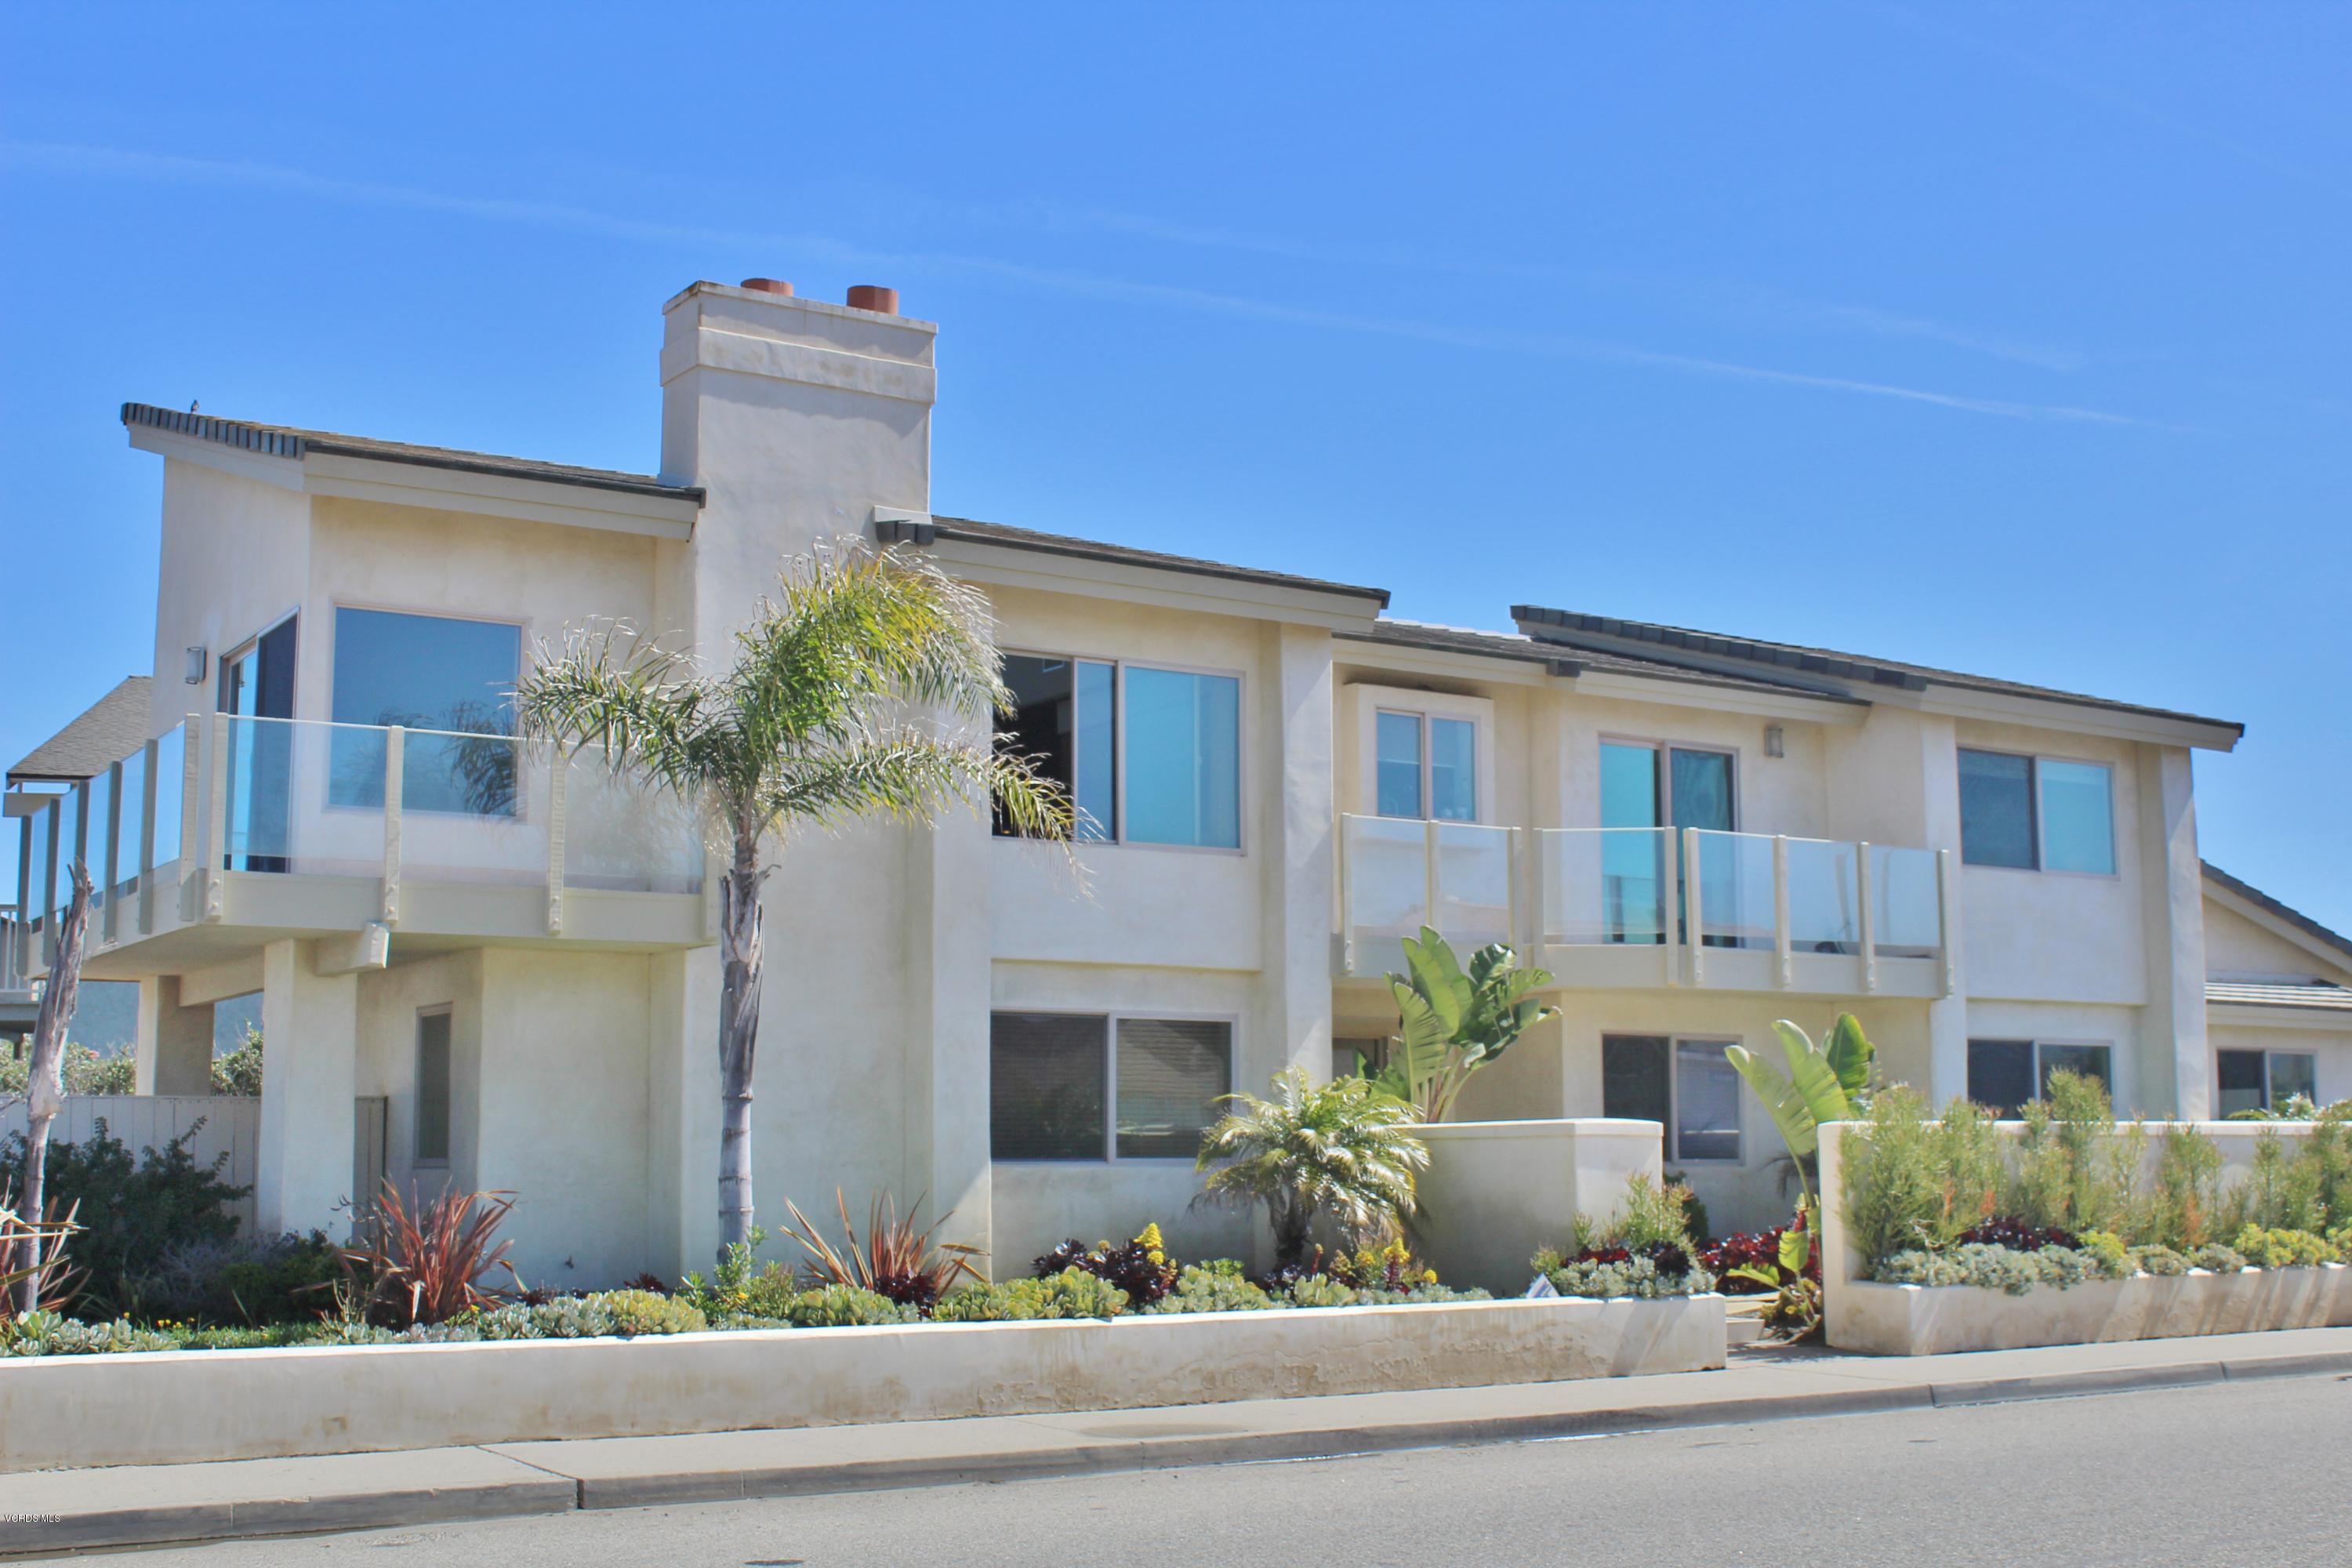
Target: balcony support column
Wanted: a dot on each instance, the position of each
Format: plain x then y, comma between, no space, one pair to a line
309,1080
174,1050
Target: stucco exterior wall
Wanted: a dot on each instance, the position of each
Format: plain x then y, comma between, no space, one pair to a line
235,560
2238,949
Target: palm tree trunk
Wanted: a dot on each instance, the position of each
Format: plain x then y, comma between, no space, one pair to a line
44,1089
738,1033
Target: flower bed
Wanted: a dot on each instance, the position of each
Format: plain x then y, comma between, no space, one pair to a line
1963,1233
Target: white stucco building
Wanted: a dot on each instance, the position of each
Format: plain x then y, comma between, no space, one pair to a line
480,964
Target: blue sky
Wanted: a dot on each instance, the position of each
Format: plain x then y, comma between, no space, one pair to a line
2011,340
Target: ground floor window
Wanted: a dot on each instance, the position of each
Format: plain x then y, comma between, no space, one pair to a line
1094,1086
2265,1080
1687,1086
2005,1075
432,1087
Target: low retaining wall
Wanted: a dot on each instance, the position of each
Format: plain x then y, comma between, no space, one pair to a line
1495,1191
181,1405
1916,1319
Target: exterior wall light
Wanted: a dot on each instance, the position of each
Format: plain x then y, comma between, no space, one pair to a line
1776,742
196,676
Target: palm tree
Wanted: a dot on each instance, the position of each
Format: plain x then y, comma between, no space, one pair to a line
1341,1149
809,727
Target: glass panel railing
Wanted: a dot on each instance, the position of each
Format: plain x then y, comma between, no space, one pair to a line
621,836
1824,897
1905,904
1604,886
170,764
123,876
1473,885
1734,889
287,807
473,808
98,799
1387,878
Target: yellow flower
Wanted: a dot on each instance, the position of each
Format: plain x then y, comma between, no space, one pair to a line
1151,1240
1429,1276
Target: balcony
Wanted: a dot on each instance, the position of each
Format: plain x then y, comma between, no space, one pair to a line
228,831
1622,908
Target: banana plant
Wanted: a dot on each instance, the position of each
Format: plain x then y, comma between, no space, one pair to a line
1823,1083
1452,1023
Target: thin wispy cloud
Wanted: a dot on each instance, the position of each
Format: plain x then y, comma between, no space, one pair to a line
86,162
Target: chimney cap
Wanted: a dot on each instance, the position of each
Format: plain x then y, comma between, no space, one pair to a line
873,297
769,286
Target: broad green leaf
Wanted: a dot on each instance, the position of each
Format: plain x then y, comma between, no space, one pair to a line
1850,1053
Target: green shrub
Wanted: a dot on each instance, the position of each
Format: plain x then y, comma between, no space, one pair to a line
1636,1276
1913,1182
1320,1290
1213,1288
2158,1259
2186,1208
130,1212
242,1279
1420,1295
1072,1293
1991,1267
2073,1170
238,1071
604,1314
85,1071
2107,1254
2281,1247
2217,1259
846,1306
47,1333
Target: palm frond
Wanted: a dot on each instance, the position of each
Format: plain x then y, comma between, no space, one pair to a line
910,774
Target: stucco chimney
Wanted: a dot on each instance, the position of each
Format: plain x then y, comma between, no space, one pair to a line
797,418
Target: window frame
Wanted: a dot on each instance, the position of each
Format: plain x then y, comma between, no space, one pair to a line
1110,1018
417,1160
2035,1043
1670,1147
1119,769
2270,1101
523,670
2033,761
1428,719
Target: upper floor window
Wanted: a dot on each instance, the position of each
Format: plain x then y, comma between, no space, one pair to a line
2036,812
453,680
1148,755
1426,766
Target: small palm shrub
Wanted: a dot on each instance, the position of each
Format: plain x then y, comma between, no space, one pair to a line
1340,1152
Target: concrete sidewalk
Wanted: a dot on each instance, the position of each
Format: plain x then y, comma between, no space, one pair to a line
61,1509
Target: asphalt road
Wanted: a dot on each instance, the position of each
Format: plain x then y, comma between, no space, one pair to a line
2251,1473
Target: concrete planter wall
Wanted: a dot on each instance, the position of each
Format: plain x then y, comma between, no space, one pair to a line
1914,1320
179,1405
1495,1191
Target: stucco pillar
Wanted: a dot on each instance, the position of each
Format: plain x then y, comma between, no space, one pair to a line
682,1110
309,1083
1947,1015
174,1049
945,1072
2174,1062
1299,864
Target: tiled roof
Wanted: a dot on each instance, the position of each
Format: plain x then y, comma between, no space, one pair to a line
1572,627
108,730
2296,918
290,441
979,532
1508,645
2316,993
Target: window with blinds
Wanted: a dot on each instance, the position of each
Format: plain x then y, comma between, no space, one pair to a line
1067,1085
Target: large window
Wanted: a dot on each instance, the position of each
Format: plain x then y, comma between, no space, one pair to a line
2036,812
453,680
1687,1086
1427,766
1066,1086
1151,756
2265,1080
1647,786
2005,1075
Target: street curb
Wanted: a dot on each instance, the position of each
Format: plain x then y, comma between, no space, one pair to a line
558,1493
188,1523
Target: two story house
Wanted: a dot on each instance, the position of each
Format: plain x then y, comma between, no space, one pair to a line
512,952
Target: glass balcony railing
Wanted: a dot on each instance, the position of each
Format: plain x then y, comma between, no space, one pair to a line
1402,874
298,797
